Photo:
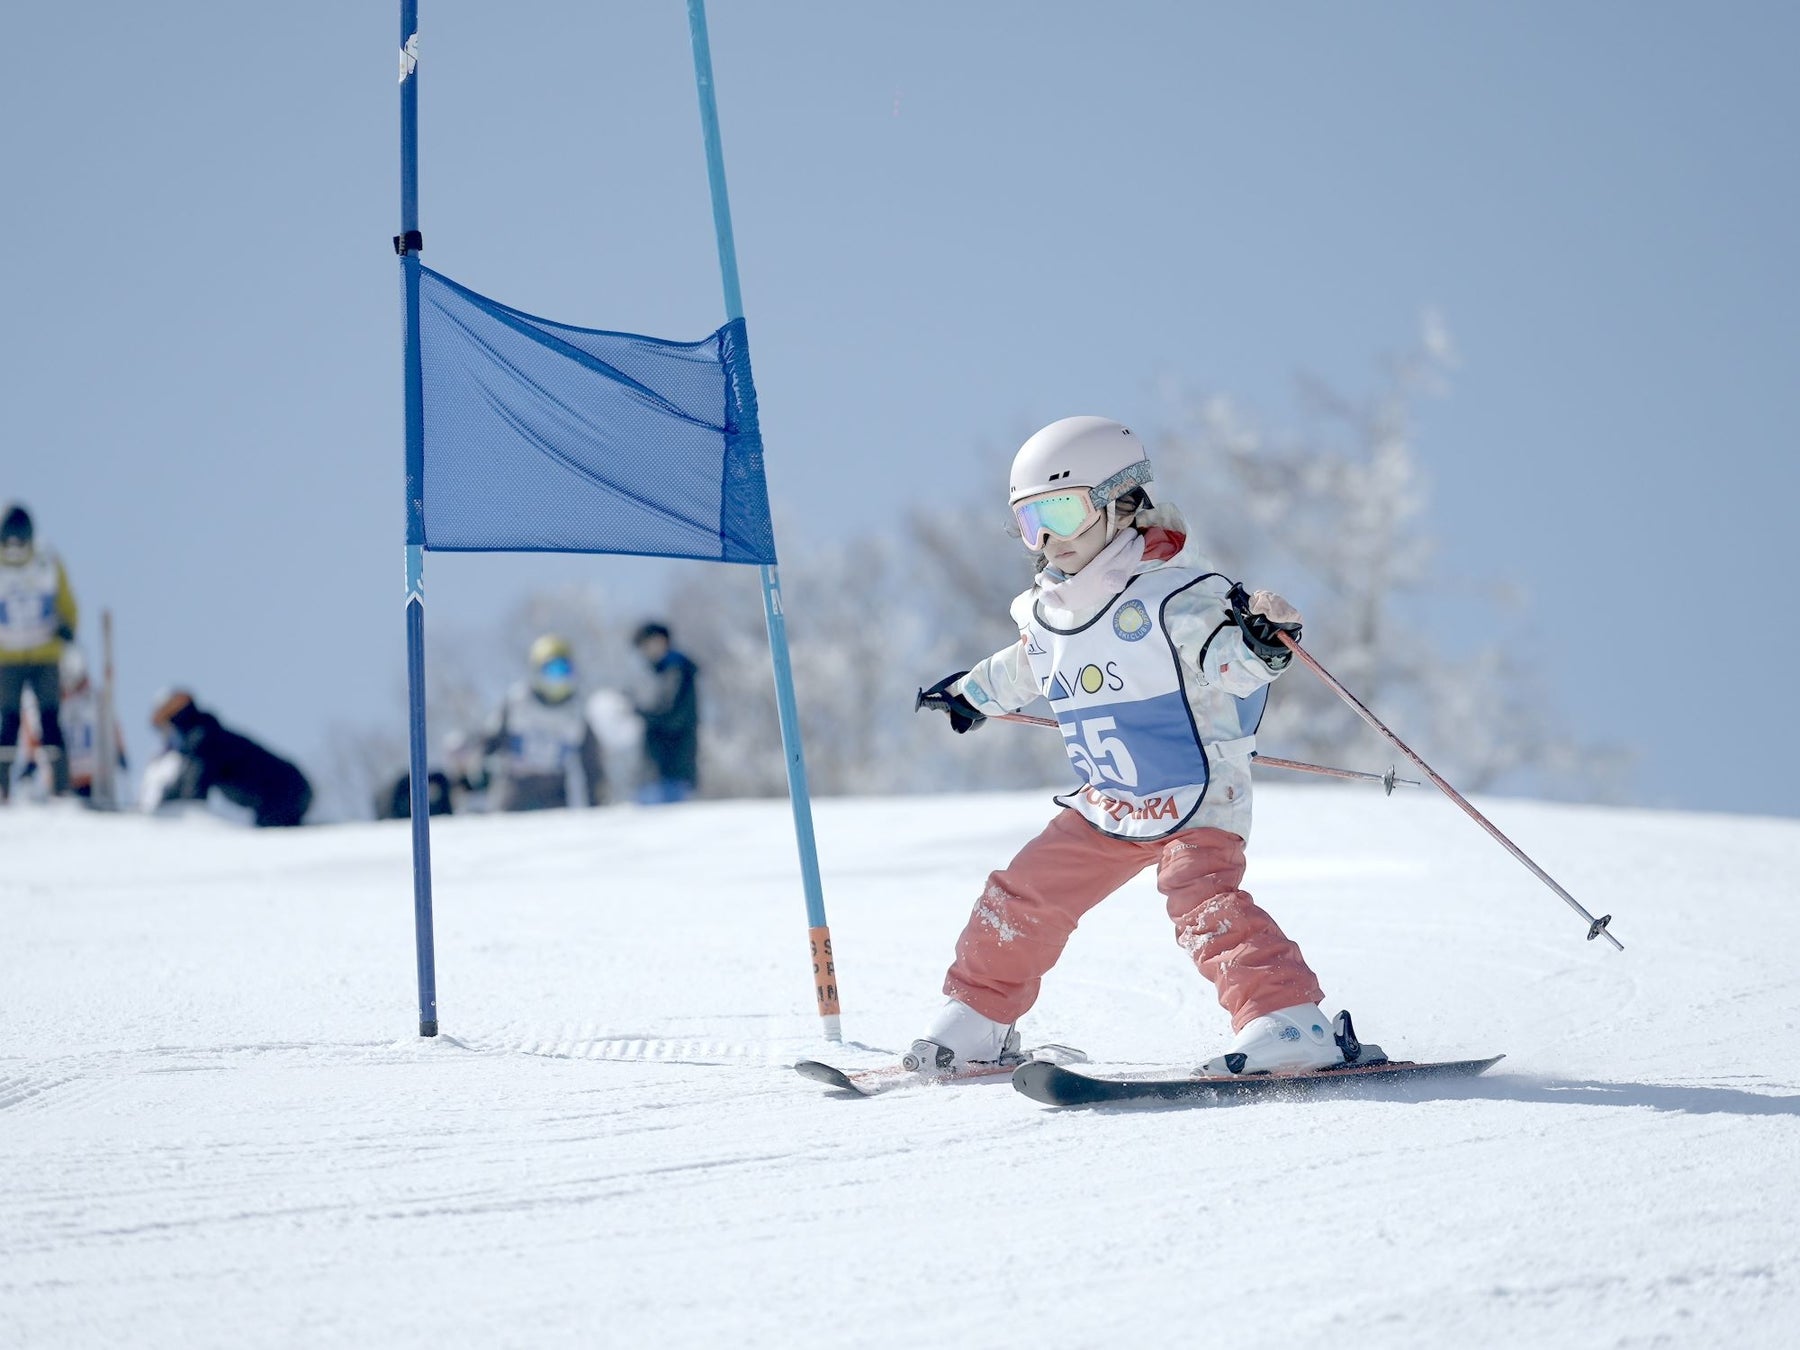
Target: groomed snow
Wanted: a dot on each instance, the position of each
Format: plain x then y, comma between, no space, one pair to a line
216,1128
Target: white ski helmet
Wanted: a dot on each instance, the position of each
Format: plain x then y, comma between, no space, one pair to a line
1095,453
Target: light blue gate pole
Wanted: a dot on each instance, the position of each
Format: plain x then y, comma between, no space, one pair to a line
824,971
407,244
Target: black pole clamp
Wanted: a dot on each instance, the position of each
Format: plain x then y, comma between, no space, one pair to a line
1597,925
410,242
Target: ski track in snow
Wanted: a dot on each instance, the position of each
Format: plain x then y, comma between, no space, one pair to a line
216,1129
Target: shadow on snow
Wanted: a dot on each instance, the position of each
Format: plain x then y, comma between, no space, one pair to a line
1679,1097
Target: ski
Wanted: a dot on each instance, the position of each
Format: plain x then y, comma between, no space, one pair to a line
890,1077
1054,1085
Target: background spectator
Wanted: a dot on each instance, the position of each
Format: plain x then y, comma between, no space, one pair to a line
37,620
80,718
671,713
214,756
539,729
394,800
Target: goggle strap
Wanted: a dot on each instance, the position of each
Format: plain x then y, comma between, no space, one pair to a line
1132,475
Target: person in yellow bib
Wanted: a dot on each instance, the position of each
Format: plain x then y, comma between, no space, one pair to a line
37,621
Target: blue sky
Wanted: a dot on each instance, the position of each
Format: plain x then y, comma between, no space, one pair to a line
955,222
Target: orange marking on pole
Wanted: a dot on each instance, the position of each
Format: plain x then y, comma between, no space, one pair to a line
824,971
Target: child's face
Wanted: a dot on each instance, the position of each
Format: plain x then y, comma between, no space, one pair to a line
1069,556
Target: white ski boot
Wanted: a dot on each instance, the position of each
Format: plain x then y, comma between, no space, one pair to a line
1289,1040
960,1038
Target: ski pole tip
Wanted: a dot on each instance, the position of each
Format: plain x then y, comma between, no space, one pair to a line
1599,929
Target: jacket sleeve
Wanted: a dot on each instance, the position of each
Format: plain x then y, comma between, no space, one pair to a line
65,598
1211,645
192,783
671,710
1004,682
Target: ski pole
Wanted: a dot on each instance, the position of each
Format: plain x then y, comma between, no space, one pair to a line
1596,927
1387,780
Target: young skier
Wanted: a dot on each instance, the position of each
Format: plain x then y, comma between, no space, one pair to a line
538,730
1157,669
80,717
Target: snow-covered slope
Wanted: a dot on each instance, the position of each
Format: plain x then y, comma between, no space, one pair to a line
217,1129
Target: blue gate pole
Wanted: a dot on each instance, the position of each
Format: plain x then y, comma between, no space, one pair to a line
818,934
407,244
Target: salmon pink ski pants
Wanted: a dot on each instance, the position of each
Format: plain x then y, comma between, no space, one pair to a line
1025,916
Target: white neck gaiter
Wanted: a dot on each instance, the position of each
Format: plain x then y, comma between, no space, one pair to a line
1070,600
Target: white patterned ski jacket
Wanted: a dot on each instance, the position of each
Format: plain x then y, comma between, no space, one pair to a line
1219,678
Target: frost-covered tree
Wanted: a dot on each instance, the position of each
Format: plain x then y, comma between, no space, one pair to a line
1335,515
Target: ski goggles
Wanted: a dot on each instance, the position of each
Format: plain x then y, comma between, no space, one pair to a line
1063,514
556,671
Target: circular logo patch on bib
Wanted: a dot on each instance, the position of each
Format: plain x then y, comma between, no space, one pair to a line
1132,621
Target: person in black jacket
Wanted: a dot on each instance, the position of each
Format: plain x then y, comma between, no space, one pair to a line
216,757
671,714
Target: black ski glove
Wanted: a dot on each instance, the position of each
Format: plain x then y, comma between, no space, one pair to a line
963,714
1260,629
66,632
